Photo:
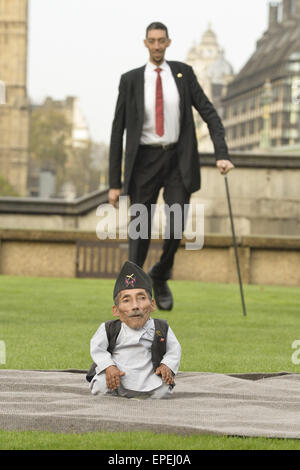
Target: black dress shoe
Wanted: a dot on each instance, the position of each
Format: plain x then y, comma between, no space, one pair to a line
162,293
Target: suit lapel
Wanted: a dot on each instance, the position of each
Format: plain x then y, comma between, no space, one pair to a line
139,92
178,77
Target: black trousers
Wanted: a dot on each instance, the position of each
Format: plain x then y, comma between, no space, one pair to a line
157,168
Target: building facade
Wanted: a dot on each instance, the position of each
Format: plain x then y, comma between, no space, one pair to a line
14,114
262,105
214,73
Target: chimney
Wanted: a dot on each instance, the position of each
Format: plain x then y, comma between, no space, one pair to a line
273,15
287,8
296,12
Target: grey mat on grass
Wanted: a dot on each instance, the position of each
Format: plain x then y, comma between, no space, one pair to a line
203,403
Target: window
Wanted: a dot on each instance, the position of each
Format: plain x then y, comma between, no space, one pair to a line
287,95
286,119
243,129
259,124
251,127
252,102
275,92
274,120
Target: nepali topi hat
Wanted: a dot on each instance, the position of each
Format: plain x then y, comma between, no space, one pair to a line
132,277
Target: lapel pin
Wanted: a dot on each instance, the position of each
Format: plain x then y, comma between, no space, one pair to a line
179,75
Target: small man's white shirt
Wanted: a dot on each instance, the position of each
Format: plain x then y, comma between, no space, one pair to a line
132,355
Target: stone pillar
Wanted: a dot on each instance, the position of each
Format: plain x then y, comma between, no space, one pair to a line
14,115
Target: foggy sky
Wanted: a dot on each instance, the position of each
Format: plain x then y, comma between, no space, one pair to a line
81,47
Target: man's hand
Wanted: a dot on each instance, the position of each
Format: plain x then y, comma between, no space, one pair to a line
113,375
224,166
113,196
166,374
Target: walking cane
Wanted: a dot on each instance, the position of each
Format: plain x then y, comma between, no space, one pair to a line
235,246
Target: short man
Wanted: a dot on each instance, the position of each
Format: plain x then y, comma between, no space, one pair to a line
134,356
155,107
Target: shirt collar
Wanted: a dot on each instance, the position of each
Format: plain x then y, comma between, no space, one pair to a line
149,325
163,66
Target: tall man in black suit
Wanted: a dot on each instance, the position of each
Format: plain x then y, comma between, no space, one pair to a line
155,107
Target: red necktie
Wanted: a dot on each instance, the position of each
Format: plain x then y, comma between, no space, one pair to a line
159,105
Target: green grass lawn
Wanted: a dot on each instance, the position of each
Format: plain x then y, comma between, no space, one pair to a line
48,323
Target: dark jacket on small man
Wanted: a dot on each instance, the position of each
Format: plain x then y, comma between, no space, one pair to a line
129,115
158,348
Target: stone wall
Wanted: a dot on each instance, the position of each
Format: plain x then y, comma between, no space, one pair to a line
264,201
263,260
264,191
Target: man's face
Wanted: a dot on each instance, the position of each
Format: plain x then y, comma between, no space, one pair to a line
157,43
134,307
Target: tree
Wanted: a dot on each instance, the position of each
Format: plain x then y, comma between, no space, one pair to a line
80,172
6,189
76,164
49,141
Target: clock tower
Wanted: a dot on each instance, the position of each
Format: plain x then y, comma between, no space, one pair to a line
214,73
201,56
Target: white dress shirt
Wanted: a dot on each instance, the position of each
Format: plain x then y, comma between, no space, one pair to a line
171,101
132,355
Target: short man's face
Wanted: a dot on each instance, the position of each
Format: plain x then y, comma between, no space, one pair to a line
134,307
157,43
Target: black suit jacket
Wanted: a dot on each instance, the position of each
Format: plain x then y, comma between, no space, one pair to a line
129,115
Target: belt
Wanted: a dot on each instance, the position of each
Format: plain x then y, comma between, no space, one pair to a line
158,146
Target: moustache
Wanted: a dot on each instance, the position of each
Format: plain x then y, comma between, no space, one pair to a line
136,314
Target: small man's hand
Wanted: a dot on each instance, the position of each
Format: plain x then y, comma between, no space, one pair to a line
113,375
224,166
166,374
113,196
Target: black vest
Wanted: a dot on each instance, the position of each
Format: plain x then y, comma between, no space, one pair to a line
158,348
